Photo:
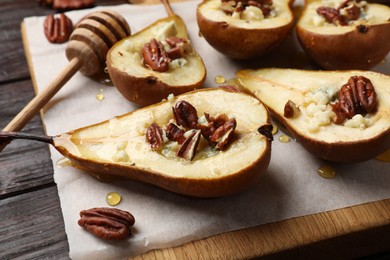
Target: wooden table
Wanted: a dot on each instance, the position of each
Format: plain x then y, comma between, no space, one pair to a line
31,223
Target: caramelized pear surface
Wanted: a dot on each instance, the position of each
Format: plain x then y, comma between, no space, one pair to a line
358,44
249,36
144,86
119,146
313,92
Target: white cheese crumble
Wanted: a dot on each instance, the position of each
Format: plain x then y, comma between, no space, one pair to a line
121,156
252,13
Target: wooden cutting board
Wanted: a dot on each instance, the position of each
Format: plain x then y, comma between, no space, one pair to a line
344,233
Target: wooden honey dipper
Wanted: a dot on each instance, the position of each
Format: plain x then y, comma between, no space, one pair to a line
86,51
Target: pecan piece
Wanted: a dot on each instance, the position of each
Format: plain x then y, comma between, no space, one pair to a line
290,109
188,147
331,15
185,114
357,96
72,4
224,134
177,47
266,130
155,56
174,133
57,29
212,124
107,223
154,135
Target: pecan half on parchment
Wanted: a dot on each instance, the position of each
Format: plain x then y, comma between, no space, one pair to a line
57,29
107,223
357,96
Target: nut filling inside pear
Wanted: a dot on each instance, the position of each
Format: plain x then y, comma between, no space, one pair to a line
341,13
248,9
188,135
158,55
351,106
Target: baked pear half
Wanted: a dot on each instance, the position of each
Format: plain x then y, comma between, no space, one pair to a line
345,35
155,62
206,143
244,29
341,116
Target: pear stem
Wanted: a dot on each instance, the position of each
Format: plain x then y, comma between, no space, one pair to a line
168,7
7,137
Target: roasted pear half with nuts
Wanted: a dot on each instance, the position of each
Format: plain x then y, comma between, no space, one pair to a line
206,143
341,116
244,29
155,62
345,35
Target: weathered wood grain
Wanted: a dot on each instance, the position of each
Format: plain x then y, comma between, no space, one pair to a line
31,226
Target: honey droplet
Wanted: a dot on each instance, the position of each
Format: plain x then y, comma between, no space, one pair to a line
284,139
220,79
326,171
100,95
274,129
113,198
63,162
233,82
384,157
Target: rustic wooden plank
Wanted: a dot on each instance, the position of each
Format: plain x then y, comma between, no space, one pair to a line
31,226
347,233
24,164
13,63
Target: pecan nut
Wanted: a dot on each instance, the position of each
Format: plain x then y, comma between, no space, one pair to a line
155,57
58,29
357,96
224,134
154,135
174,133
185,114
331,15
177,47
188,147
72,4
290,109
107,223
266,130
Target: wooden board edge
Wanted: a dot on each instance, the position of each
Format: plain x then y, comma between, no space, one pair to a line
28,56
341,233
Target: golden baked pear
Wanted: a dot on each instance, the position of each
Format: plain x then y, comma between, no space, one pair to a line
244,29
341,116
155,62
206,143
345,35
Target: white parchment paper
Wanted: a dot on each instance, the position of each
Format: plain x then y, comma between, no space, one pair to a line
290,187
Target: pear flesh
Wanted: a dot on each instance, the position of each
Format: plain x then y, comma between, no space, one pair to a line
248,34
144,86
358,44
119,147
357,139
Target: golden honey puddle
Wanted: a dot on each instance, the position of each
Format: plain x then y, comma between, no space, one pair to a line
100,95
274,129
327,172
113,198
284,139
220,79
384,157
